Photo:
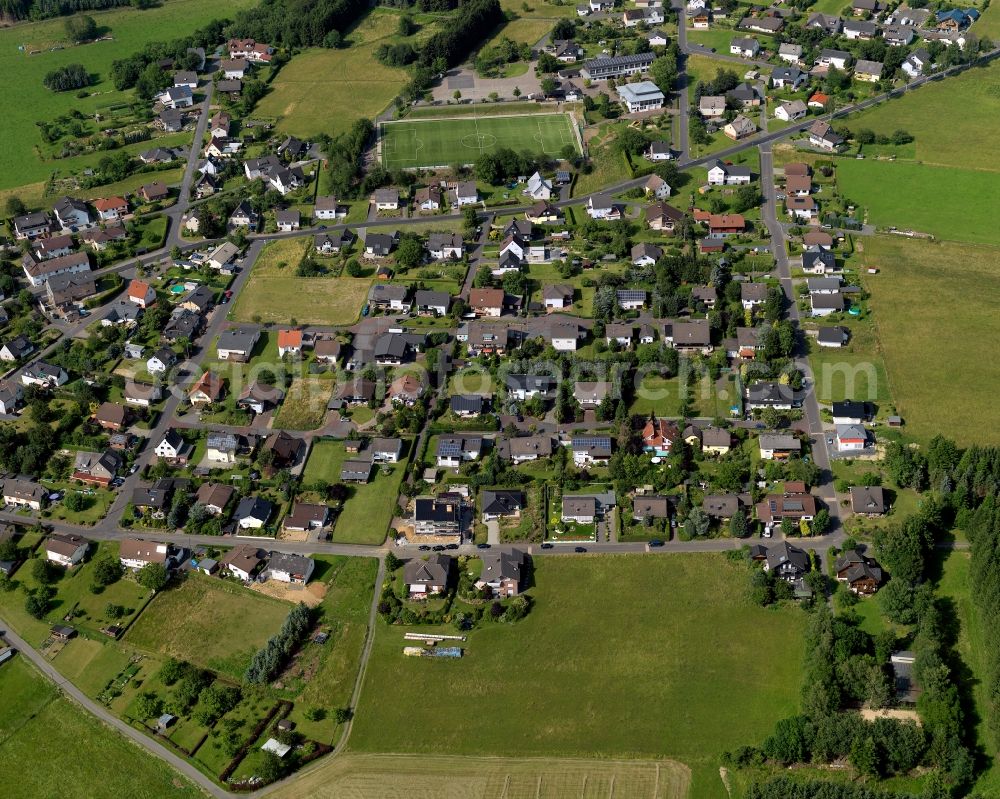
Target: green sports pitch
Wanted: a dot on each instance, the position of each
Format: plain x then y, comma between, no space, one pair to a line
441,142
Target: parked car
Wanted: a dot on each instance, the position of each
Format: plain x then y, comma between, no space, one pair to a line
482,546
656,542
424,548
546,546
579,549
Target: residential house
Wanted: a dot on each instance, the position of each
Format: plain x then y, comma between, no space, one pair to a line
141,293
790,52
253,513
17,349
214,497
721,174
898,36
591,450
826,304
453,451
601,206
715,441
646,254
778,446
501,504
11,396
438,516
427,577
539,188
177,97
823,136
522,449
744,47
463,193
244,561
868,71
172,448
72,215
221,448
386,199
31,226
789,111
44,375
659,151
234,68
487,302
379,245
332,243
801,208
38,271
207,390
740,128
428,198
153,192
96,468
657,187
64,550
917,63
851,438
111,416
659,437
817,260
134,553
832,336
502,572
386,450
838,59
287,220
52,247
242,216
237,343
284,448
142,394
770,25
631,299
111,209
862,574
590,394
564,336
579,510
663,217
621,334
445,246
692,335
406,390
712,106
466,405
722,507
787,562
289,568
745,95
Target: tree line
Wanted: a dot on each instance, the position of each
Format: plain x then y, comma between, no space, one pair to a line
297,23
269,659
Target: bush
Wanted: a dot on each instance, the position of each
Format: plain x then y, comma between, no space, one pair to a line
67,78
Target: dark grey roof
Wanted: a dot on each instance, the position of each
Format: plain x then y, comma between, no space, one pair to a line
254,508
467,403
503,502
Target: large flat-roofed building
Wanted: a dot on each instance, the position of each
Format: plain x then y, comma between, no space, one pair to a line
616,66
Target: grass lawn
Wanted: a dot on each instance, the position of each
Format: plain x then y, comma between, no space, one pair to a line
304,407
602,685
438,142
216,624
704,68
720,39
34,717
934,305
528,30
855,371
313,82
274,294
609,164
350,583
26,101
554,10
925,198
921,113
369,508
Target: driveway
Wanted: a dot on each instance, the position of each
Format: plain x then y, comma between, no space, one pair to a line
473,87
493,532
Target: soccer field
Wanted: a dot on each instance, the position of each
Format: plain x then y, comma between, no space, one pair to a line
440,142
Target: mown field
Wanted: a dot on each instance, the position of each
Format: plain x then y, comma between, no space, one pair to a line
929,199
215,625
950,119
274,294
26,101
676,664
50,747
935,311
325,91
385,776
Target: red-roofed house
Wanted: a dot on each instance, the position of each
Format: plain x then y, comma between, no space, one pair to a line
726,224
141,293
289,341
818,100
207,389
111,208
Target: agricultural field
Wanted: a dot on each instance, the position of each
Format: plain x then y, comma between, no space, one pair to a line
527,30
35,717
929,199
378,776
274,294
369,508
313,82
935,313
967,101
463,140
566,683
214,624
545,10
26,101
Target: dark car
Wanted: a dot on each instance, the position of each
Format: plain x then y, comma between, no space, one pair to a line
424,548
452,546
438,547
579,549
482,546
656,542
546,546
